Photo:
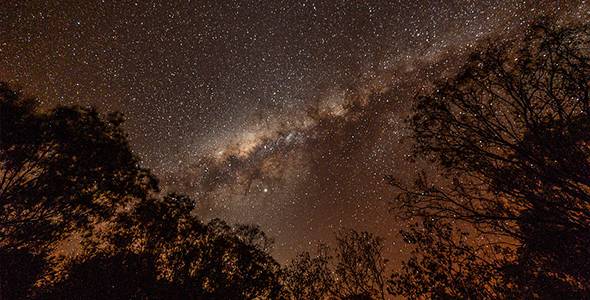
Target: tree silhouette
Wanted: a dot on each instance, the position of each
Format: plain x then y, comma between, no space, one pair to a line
360,270
511,131
177,255
69,170
355,270
123,275
445,265
60,170
310,277
19,270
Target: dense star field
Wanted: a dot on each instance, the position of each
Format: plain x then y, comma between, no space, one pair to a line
286,114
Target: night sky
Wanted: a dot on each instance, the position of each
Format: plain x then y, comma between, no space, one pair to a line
285,114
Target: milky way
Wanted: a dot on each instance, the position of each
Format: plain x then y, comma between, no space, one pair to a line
286,114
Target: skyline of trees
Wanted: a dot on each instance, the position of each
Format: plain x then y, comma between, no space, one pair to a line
508,217
510,134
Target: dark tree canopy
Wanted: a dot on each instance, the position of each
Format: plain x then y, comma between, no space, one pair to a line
445,265
211,259
512,131
173,255
60,170
70,170
19,270
310,277
354,269
122,275
509,218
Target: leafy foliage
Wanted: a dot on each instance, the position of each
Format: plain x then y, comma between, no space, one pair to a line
69,170
310,277
446,265
61,170
511,131
356,270
19,270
